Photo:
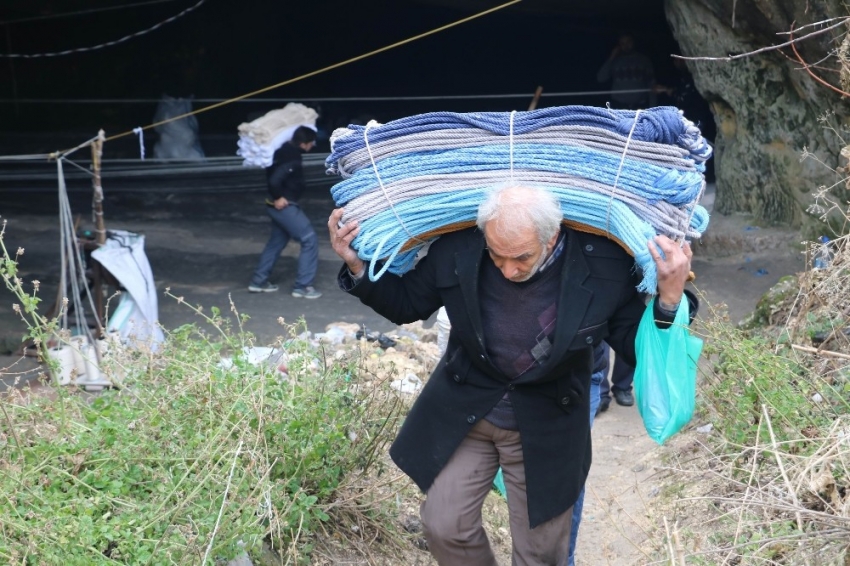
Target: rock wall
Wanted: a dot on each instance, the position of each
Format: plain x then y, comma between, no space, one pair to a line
767,109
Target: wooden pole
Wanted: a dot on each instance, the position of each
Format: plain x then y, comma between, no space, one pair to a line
97,201
100,229
536,98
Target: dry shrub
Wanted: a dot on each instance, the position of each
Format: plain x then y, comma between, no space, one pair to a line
773,487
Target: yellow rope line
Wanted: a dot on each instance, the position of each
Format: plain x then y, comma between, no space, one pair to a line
320,71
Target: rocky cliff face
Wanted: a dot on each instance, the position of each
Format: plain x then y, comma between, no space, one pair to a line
767,110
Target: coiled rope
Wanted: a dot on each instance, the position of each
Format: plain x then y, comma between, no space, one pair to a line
619,173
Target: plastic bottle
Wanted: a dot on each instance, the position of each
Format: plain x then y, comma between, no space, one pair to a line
823,256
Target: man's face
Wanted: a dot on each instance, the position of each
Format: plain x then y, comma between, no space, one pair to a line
518,257
626,43
307,146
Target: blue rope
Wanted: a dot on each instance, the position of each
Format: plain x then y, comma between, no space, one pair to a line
644,179
390,228
663,124
381,238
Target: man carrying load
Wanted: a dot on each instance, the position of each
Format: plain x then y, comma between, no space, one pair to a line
528,299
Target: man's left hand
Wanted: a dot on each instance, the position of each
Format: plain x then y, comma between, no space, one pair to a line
673,268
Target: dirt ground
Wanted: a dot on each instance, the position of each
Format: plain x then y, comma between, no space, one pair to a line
205,246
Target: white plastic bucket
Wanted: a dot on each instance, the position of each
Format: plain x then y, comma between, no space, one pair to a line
64,356
92,369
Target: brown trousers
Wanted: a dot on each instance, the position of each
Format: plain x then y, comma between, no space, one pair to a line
451,513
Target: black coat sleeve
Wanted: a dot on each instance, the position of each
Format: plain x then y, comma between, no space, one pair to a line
399,298
278,175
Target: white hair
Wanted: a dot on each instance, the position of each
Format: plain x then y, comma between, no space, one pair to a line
518,208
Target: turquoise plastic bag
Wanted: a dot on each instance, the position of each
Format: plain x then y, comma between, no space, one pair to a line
666,374
499,484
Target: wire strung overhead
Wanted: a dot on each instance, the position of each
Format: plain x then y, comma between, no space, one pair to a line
106,44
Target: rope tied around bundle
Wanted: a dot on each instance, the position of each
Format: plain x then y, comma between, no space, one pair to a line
623,174
381,183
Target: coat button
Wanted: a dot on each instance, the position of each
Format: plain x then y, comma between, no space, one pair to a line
588,248
589,339
483,357
511,387
457,378
470,419
565,400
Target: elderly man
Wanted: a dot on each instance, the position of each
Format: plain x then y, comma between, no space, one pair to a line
528,299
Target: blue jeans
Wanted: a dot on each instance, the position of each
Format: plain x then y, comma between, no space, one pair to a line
289,223
622,377
595,380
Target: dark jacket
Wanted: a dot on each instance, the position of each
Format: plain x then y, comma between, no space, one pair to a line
598,301
285,176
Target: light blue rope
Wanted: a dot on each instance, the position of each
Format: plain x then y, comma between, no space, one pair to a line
649,181
381,238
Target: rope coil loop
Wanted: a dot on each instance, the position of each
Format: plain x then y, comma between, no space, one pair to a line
371,124
619,171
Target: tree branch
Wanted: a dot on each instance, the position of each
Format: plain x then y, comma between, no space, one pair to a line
765,49
812,73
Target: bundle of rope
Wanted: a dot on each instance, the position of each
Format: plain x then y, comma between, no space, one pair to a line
627,175
258,140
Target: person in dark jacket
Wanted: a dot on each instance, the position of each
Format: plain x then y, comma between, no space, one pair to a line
631,75
285,179
528,300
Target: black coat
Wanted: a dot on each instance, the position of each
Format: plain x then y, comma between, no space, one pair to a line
598,301
285,176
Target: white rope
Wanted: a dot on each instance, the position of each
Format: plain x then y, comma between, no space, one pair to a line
141,133
63,282
620,170
73,270
102,45
372,124
693,206
511,142
30,157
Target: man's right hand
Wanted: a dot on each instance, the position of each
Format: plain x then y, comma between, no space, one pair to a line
280,203
341,238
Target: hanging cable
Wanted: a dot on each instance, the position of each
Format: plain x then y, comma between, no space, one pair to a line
108,43
82,12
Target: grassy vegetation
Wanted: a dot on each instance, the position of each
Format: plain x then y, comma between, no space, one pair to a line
773,487
192,461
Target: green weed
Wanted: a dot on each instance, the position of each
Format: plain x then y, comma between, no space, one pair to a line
192,460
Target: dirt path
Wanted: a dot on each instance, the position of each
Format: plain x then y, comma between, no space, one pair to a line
617,491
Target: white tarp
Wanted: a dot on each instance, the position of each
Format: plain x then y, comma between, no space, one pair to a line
137,315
